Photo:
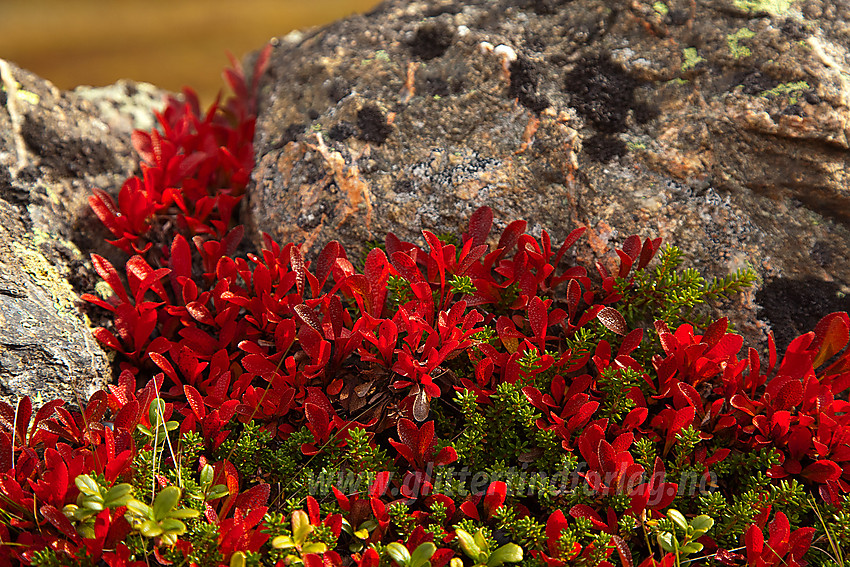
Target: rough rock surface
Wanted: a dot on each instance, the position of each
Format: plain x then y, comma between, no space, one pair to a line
54,147
720,125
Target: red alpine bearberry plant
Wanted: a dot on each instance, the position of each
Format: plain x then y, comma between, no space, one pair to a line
473,402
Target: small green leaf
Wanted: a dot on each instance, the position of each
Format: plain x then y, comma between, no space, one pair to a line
467,544
207,475
283,542
173,526
86,531
149,528
217,491
156,409
92,504
481,542
118,495
667,542
301,527
701,525
678,518
398,553
691,547
422,554
140,509
165,501
314,547
237,559
87,485
184,513
508,553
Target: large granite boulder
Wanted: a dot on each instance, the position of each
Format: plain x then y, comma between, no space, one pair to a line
54,147
720,125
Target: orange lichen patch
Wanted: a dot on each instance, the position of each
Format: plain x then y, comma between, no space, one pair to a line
598,238
681,165
409,89
528,134
349,181
288,157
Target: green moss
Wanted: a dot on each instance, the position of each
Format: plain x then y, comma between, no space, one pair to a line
738,50
661,8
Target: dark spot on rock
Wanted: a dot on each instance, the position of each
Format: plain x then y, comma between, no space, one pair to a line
309,220
794,306
644,113
796,31
130,90
811,97
404,185
524,85
373,124
756,82
290,134
341,131
431,40
602,93
678,17
535,43
68,156
543,7
338,89
822,253
313,114
2,98
434,86
603,148
9,192
444,9
793,110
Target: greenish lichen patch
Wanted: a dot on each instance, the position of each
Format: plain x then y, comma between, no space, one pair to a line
774,7
45,275
792,90
733,39
661,8
691,58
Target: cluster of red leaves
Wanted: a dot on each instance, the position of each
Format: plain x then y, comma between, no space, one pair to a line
285,342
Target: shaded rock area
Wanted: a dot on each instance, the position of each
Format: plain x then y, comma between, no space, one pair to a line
719,125
54,147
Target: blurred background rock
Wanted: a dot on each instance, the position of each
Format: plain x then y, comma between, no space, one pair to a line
170,43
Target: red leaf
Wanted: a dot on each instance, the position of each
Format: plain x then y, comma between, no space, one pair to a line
630,342
715,332
612,320
822,471
317,422
254,498
59,521
511,234
406,267
479,225
107,271
832,334
195,401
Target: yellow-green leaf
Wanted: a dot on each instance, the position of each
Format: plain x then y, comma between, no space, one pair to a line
165,501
